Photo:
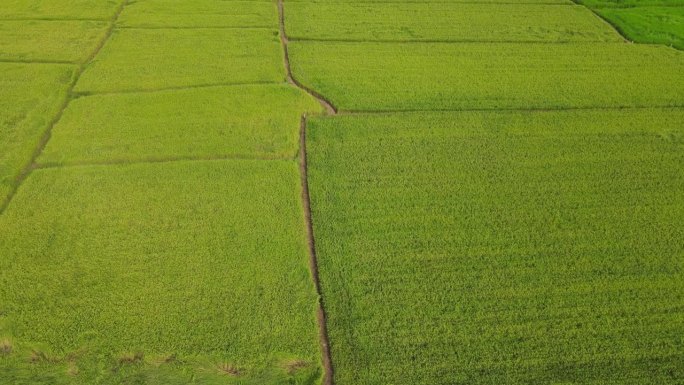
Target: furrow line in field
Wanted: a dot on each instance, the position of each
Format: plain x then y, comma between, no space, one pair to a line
180,28
313,260
114,162
31,165
330,109
327,104
446,41
568,2
51,19
178,88
592,108
32,61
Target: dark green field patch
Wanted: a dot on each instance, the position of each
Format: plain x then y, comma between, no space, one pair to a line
243,121
175,273
59,9
409,76
37,40
31,97
444,22
148,59
199,13
659,25
502,247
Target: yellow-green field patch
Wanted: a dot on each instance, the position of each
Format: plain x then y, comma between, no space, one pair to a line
260,121
444,22
31,97
149,59
59,9
39,40
174,273
199,13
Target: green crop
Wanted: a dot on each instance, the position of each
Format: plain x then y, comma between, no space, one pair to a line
629,3
59,9
31,96
181,272
660,25
38,40
199,13
409,76
244,121
502,247
148,59
444,22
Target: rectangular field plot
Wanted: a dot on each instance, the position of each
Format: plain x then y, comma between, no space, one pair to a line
148,59
175,273
408,76
31,97
502,247
659,25
244,121
444,22
202,13
59,9
39,40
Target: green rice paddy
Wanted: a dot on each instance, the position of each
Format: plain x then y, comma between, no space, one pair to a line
341,193
234,121
158,273
182,58
32,95
199,13
367,76
501,247
416,21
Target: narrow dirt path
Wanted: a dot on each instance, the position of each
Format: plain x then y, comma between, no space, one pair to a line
313,260
31,165
329,107
306,202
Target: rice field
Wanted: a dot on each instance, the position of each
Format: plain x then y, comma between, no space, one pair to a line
416,21
313,192
439,76
199,13
215,122
158,273
57,41
183,58
501,247
32,95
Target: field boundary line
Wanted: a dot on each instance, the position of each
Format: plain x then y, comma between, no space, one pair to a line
447,41
565,3
38,61
556,109
171,159
327,104
83,94
190,28
47,133
52,19
313,259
